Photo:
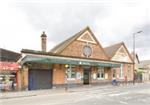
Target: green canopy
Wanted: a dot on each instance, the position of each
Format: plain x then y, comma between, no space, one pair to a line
63,60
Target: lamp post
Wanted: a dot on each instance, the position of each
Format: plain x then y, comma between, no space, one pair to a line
66,76
134,34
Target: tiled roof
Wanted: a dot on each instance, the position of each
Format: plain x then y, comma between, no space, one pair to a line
111,50
58,48
35,52
9,56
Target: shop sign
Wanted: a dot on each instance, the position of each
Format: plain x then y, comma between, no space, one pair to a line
9,66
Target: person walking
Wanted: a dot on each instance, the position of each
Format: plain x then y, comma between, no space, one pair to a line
126,80
13,85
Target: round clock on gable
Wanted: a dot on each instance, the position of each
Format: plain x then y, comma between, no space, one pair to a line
87,51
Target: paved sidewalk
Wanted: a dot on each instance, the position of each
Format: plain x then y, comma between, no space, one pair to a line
19,94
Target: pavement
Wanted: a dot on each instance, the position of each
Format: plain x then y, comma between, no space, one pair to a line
138,94
19,94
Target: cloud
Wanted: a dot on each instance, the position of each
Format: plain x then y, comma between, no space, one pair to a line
16,31
110,21
62,20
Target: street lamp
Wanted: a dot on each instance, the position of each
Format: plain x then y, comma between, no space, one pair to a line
66,76
134,34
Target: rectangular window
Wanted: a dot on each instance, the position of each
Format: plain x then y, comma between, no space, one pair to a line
100,73
71,74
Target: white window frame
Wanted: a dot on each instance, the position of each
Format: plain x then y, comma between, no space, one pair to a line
100,71
121,72
69,72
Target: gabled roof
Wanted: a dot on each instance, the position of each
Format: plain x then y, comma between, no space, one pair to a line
9,56
35,52
111,50
58,48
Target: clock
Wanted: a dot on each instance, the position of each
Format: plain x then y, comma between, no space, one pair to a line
87,51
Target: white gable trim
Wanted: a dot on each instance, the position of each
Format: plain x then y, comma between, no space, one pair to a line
124,57
88,41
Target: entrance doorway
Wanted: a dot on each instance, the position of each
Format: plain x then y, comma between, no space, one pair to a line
86,76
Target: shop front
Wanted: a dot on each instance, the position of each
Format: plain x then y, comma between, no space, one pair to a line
8,76
61,71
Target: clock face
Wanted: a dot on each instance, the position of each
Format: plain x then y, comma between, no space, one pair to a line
87,51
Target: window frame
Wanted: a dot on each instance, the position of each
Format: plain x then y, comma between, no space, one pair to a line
70,71
101,73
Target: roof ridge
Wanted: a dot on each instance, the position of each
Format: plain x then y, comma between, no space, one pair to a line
111,50
115,44
68,40
9,51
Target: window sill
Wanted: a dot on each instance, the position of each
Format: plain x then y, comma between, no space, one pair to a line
71,79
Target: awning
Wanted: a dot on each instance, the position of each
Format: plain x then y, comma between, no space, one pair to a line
63,60
8,66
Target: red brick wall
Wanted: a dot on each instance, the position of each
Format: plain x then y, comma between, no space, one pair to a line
75,49
25,77
19,79
58,74
128,71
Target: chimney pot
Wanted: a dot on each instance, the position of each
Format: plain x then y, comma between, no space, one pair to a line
43,41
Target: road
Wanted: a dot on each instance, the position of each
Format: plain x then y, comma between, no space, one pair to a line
117,95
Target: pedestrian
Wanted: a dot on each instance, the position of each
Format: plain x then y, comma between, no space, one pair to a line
126,80
114,82
134,77
13,85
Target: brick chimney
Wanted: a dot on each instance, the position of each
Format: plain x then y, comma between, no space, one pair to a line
43,41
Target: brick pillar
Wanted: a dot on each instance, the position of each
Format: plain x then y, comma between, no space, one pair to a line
25,78
19,80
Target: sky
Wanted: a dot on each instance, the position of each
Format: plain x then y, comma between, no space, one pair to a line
112,21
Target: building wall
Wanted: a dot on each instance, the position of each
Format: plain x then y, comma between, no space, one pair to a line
145,77
58,74
105,80
25,78
127,72
78,80
75,49
19,80
128,68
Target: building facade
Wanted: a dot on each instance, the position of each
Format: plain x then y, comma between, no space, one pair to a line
9,70
143,71
79,60
119,52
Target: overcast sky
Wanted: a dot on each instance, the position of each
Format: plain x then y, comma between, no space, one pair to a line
112,21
